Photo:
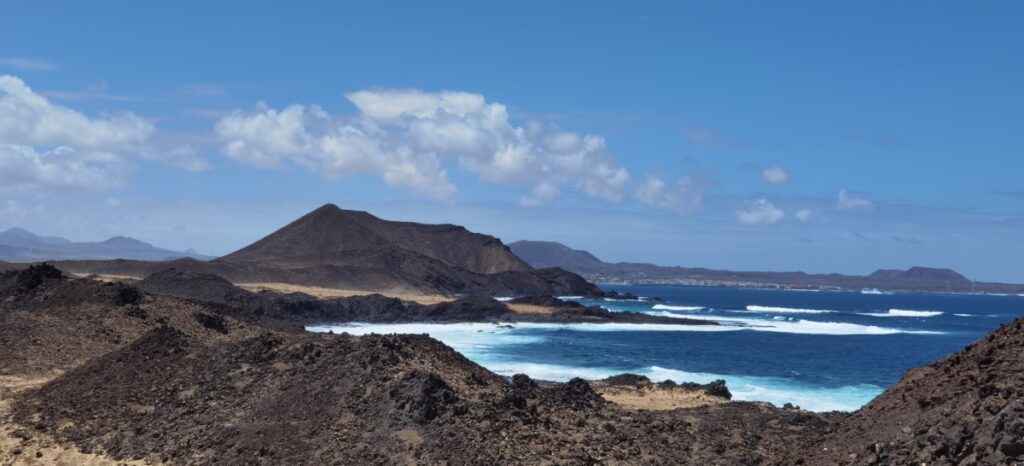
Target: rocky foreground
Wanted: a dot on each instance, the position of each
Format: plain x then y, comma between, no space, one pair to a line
100,373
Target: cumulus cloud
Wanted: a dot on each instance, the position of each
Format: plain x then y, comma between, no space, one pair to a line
775,175
685,196
43,144
24,167
404,136
844,201
803,215
760,212
30,119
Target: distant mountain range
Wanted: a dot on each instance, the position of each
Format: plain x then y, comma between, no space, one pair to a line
344,249
553,254
20,245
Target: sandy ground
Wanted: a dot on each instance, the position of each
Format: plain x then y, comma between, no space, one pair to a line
320,292
107,278
341,293
25,447
531,309
655,398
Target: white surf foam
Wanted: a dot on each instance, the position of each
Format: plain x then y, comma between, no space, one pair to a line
504,299
963,315
744,388
570,298
467,338
470,336
552,372
478,342
802,326
787,310
902,313
666,307
777,390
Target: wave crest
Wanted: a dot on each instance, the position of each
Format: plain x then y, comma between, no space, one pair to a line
666,307
902,313
787,310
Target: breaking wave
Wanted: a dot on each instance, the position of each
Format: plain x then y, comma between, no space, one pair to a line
902,313
666,307
743,388
787,310
801,326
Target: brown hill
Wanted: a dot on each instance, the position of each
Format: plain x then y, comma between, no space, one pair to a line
335,248
965,409
921,274
330,235
552,254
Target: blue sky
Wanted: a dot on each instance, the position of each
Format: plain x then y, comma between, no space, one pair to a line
819,136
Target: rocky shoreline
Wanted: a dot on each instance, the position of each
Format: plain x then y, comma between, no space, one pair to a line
375,308
131,372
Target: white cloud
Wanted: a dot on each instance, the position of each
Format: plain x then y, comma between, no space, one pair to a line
541,194
684,197
24,167
760,212
775,175
43,144
30,119
403,136
28,64
847,202
803,215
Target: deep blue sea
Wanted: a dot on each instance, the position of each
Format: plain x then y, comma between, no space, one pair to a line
819,350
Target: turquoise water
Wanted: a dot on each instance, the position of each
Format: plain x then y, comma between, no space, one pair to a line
819,350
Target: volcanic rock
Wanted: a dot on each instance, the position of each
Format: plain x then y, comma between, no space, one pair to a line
965,409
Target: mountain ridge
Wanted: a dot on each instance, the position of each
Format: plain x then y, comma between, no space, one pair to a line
330,230
352,250
916,278
21,245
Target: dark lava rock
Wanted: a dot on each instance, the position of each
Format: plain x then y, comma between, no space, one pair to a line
715,388
422,396
168,388
212,322
631,380
623,296
137,312
33,276
718,388
546,301
126,294
468,309
577,394
965,409
200,286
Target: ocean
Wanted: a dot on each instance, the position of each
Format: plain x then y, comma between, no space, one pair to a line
821,351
